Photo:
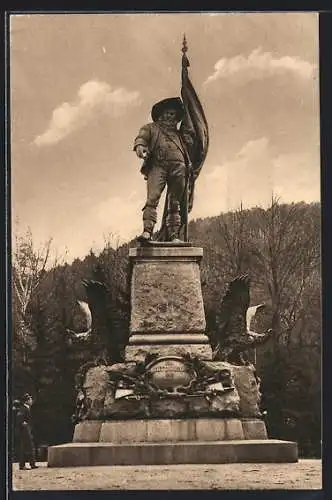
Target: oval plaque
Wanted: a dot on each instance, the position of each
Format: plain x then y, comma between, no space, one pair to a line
170,373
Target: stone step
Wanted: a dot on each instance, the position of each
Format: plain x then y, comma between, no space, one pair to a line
170,430
212,452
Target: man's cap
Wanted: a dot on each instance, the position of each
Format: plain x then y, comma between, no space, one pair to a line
26,396
169,103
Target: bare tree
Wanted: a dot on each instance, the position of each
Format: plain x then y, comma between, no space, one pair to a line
29,267
285,242
233,229
280,249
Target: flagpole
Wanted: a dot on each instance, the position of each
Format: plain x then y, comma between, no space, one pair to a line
185,64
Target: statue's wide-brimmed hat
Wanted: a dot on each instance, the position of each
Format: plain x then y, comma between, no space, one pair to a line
169,103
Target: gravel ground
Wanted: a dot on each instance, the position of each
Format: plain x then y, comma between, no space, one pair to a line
305,474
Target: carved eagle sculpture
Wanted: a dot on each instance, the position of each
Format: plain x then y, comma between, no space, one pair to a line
102,320
85,309
233,335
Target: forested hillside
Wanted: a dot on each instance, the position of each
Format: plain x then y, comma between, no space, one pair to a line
279,248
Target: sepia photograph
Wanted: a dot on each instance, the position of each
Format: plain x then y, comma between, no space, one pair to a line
165,211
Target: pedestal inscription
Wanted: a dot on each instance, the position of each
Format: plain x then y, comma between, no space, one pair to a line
167,311
166,293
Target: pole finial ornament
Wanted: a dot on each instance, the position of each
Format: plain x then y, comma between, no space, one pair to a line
184,44
185,61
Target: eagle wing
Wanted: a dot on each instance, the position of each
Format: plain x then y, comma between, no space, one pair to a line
251,313
231,317
107,322
87,313
84,307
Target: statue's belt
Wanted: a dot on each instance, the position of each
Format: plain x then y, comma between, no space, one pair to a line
163,155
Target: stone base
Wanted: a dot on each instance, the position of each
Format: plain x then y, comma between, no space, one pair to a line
171,430
103,401
212,452
138,352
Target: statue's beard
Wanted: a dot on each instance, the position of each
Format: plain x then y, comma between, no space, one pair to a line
170,123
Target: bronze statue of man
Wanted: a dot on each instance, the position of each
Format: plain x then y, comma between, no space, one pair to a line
166,152
174,147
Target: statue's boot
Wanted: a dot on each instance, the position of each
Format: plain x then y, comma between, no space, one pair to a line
148,225
173,220
145,237
174,239
149,221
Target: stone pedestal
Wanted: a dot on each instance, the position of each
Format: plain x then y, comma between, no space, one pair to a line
167,311
171,441
168,402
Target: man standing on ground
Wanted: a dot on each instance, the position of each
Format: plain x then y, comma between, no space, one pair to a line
26,444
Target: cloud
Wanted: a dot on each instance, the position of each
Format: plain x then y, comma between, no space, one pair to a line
246,178
114,220
93,97
210,192
251,177
297,176
260,64
121,215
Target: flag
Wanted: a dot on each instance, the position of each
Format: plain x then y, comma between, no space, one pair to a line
196,121
195,124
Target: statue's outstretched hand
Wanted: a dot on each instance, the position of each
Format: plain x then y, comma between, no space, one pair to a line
141,151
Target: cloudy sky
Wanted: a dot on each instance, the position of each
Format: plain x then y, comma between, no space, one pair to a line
83,84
